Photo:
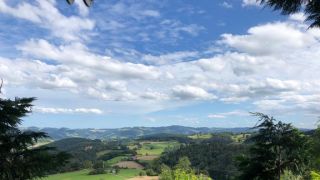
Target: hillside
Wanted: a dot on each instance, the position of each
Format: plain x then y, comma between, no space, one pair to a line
130,132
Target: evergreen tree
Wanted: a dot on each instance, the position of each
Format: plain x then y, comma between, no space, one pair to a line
311,8
276,147
19,160
316,149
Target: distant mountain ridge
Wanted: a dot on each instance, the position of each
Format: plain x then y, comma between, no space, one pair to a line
130,132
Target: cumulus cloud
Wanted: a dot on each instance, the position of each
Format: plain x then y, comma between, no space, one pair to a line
251,2
270,38
78,54
170,58
248,70
188,92
46,15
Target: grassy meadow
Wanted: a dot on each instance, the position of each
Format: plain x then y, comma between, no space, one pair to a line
83,175
155,148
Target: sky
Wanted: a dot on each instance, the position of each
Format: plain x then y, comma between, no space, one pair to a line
124,63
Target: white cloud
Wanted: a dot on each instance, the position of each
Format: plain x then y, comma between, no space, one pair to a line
26,11
216,116
227,114
174,28
133,10
215,64
300,17
47,110
226,5
270,38
82,8
170,58
253,73
152,95
273,66
251,2
77,55
47,16
188,92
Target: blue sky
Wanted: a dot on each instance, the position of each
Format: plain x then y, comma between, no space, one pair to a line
124,63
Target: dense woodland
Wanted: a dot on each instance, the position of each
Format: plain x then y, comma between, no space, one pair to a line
215,157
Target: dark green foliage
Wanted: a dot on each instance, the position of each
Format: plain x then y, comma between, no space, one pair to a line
80,148
182,170
142,173
87,164
116,153
151,172
214,156
18,159
98,168
84,151
276,147
98,165
311,9
316,149
97,171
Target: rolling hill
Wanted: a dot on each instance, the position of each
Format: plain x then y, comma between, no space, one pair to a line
129,132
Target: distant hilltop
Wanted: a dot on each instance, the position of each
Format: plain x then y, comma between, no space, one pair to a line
131,132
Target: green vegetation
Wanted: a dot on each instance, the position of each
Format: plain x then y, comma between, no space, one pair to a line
200,136
182,170
83,175
288,175
240,138
155,148
168,133
101,153
277,147
274,151
86,151
215,156
314,175
19,157
117,159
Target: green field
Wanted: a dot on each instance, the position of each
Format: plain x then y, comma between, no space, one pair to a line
117,159
155,148
83,175
201,136
99,154
239,138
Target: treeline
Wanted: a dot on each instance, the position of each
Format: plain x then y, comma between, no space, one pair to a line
85,152
275,151
181,138
215,157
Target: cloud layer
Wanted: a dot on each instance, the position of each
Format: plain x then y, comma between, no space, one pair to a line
274,66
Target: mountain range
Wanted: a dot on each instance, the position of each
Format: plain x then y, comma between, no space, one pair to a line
130,132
